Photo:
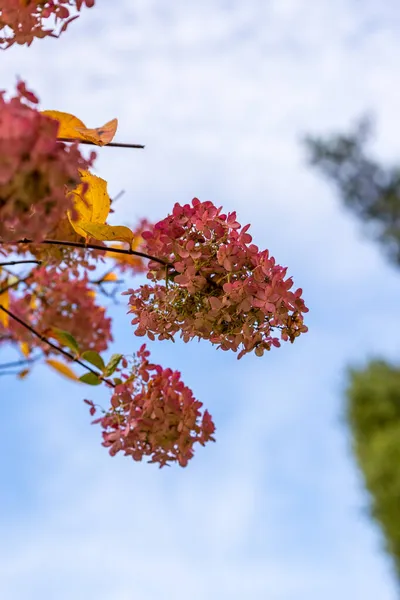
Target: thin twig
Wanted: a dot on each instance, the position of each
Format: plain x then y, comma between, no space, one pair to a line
8,373
118,196
93,247
112,144
9,286
54,346
20,262
18,363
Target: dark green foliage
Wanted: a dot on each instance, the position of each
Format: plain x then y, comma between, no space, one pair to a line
374,418
369,189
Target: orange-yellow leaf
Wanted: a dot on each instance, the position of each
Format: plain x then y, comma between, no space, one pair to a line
62,368
101,135
73,128
4,301
25,349
91,206
22,374
68,123
130,259
110,277
33,303
107,233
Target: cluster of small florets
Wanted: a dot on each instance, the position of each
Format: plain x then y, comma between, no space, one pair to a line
154,414
56,299
217,285
35,170
21,21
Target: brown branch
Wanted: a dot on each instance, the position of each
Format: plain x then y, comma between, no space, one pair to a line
9,373
112,144
15,284
93,247
54,346
19,363
20,262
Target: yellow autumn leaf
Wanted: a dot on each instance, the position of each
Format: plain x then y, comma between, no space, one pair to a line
101,135
92,205
33,303
130,259
73,128
25,349
68,123
107,233
62,368
4,301
22,374
110,277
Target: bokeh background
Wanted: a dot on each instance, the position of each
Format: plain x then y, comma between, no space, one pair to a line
221,93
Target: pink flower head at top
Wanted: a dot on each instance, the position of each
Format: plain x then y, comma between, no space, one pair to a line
216,285
36,170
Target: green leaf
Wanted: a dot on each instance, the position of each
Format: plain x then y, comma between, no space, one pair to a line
66,339
90,379
94,358
117,380
113,364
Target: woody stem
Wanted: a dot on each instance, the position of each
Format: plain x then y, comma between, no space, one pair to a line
65,353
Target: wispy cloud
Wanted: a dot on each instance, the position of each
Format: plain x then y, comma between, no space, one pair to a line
220,93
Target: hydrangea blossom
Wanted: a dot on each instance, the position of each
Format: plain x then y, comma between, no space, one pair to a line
217,285
56,298
23,20
35,170
154,414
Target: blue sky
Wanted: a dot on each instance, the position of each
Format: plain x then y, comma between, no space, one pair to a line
220,93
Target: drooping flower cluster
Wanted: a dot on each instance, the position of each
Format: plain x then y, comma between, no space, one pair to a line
57,299
35,170
218,286
23,20
154,414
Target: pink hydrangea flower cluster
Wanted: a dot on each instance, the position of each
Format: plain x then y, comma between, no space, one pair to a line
35,170
217,285
21,21
58,299
154,414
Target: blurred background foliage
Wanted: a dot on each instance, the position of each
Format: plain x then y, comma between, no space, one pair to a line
372,192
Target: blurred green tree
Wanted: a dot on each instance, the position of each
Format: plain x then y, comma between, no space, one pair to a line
367,188
372,192
373,413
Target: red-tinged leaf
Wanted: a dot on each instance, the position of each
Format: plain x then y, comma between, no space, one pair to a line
101,135
92,407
